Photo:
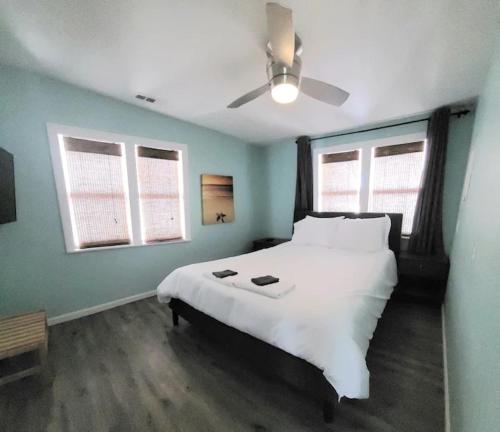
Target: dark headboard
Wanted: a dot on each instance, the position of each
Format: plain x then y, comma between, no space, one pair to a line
394,233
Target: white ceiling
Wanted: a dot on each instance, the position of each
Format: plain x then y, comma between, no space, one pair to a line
396,58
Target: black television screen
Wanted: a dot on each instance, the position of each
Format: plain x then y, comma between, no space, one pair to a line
7,188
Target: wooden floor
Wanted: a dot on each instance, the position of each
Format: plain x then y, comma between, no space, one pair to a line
128,369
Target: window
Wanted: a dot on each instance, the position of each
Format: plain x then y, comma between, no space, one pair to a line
340,180
118,191
159,194
97,192
395,180
377,176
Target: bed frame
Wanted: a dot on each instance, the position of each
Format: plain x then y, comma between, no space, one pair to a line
294,371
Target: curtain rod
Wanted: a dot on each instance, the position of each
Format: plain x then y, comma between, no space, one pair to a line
457,114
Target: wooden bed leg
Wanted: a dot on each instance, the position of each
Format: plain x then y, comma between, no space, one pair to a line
175,319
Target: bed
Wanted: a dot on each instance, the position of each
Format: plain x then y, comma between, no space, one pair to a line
315,337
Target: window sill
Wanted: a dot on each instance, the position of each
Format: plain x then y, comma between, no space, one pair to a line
96,249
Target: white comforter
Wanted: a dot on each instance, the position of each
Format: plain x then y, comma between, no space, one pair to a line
328,319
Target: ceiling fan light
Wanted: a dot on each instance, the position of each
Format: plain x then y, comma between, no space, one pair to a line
284,93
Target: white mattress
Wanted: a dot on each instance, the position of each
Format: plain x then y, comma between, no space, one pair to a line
328,319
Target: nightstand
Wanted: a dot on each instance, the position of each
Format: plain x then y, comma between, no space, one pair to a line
267,243
422,278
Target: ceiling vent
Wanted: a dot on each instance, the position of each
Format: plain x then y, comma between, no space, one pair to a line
145,98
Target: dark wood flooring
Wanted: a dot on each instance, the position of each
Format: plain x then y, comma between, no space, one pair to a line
128,369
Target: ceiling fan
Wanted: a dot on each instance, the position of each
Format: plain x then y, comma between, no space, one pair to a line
284,64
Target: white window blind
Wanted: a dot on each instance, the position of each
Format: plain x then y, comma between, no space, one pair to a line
340,181
97,193
396,172
160,194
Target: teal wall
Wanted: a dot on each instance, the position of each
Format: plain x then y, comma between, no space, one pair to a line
282,159
35,270
472,307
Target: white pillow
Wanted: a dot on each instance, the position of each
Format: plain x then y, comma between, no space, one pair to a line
363,235
313,231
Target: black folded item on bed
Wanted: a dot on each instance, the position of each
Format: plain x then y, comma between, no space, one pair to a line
265,280
225,273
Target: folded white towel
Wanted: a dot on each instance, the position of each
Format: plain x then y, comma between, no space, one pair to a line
275,290
228,281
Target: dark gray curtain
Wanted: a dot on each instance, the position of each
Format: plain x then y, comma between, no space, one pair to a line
304,187
427,235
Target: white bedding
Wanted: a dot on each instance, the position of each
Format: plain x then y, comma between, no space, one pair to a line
328,319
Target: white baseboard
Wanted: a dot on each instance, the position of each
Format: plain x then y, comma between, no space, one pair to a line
98,308
447,425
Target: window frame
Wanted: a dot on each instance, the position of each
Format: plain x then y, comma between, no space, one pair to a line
366,149
131,182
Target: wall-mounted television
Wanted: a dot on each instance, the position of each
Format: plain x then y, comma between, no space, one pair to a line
7,188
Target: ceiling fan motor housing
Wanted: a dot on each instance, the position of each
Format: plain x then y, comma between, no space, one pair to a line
278,73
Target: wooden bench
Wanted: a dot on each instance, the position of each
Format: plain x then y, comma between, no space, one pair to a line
23,345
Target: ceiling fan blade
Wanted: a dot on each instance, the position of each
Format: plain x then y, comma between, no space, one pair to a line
250,96
323,92
281,33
